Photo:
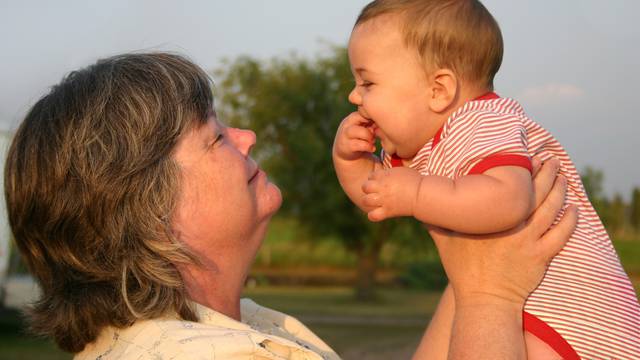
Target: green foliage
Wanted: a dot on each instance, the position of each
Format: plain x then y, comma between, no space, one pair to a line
295,106
629,253
592,180
620,218
634,216
426,275
616,214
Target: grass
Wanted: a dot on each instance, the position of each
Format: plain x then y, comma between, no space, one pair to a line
286,237
629,252
388,328
16,345
339,301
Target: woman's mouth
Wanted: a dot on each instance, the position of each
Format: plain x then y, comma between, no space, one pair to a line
255,175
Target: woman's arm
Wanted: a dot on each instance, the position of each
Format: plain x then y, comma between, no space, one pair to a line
492,275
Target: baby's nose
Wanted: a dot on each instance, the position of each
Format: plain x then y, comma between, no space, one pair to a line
354,97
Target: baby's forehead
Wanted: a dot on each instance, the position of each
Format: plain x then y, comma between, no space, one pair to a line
383,22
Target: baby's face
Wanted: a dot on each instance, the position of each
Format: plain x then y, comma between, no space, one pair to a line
391,87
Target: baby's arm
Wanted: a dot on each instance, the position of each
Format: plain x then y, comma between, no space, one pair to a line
496,200
353,157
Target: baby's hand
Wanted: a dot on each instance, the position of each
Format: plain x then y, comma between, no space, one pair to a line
354,138
391,193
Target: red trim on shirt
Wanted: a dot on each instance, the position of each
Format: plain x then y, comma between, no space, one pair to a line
436,138
396,161
501,160
546,333
488,96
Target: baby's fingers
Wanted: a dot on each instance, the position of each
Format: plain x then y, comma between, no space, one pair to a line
356,119
379,174
371,186
359,132
377,214
357,145
372,200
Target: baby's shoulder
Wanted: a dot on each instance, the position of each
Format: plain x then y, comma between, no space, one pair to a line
484,115
479,122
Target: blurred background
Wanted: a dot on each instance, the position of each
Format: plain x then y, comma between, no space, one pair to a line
280,68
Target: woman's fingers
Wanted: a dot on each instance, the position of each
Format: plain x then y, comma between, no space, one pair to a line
555,239
536,163
544,179
545,214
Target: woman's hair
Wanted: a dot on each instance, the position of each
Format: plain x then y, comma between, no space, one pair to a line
457,34
91,185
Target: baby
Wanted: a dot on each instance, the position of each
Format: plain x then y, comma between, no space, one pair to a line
458,156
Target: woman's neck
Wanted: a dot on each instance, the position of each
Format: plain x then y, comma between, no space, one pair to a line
214,289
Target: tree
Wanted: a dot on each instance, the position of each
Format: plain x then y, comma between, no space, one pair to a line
616,219
634,213
592,180
295,105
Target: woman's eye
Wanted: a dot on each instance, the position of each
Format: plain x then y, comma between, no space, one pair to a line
217,140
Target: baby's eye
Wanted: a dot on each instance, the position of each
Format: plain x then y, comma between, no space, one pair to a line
366,84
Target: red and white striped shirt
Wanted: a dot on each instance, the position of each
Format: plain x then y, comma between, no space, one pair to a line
585,299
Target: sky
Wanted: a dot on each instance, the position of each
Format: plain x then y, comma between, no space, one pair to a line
572,64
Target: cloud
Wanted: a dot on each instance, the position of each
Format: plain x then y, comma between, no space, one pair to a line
552,93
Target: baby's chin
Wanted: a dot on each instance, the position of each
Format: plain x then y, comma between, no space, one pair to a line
392,149
401,153
387,148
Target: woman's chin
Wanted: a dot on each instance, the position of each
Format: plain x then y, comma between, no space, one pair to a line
271,201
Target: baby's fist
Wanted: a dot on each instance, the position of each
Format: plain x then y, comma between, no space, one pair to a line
355,137
391,193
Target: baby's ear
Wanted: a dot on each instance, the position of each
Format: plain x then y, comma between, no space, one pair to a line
444,90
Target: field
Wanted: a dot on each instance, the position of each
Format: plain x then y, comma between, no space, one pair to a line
387,328
391,325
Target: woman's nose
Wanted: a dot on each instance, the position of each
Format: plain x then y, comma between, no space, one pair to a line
354,97
243,139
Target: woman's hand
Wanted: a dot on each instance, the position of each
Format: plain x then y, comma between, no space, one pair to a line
492,275
508,266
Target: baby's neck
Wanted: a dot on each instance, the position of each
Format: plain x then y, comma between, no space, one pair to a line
465,95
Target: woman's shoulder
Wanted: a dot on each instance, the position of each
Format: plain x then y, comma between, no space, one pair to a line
262,333
170,338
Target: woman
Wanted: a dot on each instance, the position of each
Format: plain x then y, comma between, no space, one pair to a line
140,214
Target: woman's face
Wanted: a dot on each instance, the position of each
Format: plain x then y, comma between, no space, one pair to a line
226,201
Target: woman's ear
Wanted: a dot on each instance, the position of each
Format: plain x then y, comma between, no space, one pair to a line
444,90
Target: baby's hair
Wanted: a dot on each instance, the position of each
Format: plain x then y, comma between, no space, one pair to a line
460,35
